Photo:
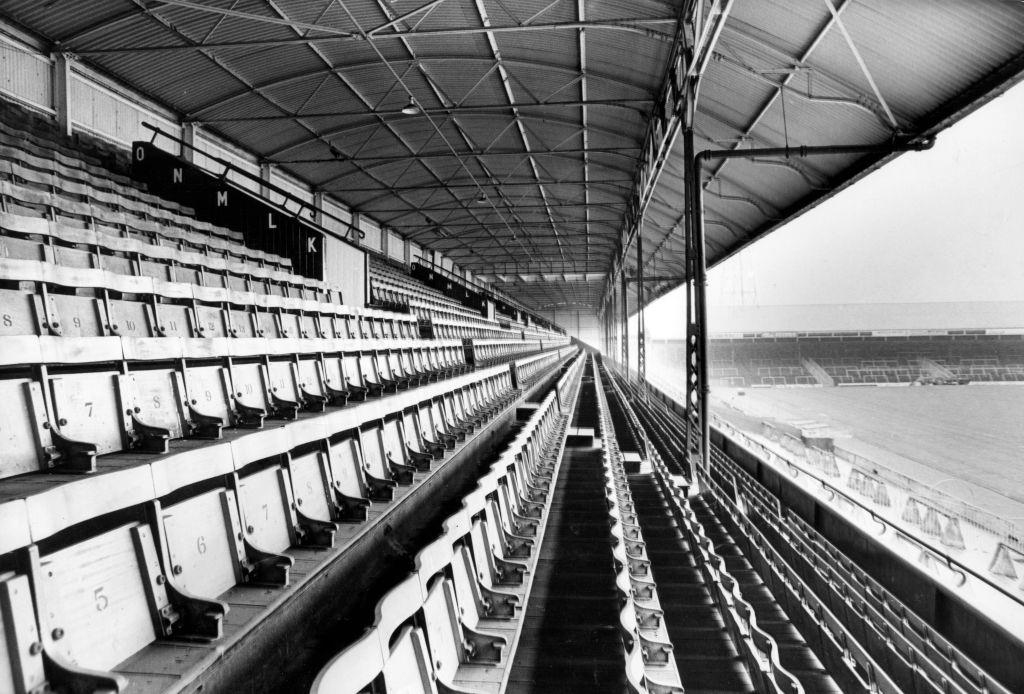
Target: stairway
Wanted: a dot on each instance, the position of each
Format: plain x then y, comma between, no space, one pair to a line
570,642
818,371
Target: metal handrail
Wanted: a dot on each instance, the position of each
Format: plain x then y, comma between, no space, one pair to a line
951,563
230,167
473,284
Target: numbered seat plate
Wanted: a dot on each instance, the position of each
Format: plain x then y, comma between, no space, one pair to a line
87,408
373,453
206,388
95,593
265,513
311,485
158,397
202,543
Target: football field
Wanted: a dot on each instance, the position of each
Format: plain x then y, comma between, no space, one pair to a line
967,441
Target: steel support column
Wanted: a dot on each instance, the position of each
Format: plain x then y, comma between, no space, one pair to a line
697,383
641,328
625,324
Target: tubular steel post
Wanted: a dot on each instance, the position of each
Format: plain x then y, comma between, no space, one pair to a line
700,283
641,328
625,324
697,424
604,328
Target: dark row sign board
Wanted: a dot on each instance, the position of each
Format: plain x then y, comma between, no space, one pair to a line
450,287
264,227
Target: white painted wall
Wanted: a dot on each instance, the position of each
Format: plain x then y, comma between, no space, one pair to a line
582,325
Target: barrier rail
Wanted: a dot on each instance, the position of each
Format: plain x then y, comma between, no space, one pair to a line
771,457
283,192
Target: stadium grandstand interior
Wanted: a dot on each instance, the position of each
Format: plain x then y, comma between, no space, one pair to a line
316,361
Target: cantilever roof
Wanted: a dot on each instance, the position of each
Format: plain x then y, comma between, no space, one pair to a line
531,116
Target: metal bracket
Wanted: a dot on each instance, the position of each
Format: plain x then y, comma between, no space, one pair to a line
247,416
311,402
284,409
642,590
356,393
336,397
350,509
655,651
198,618
419,459
648,617
482,648
516,546
64,676
149,438
204,426
71,455
263,568
433,448
524,526
400,472
448,439
499,605
510,573
314,532
380,490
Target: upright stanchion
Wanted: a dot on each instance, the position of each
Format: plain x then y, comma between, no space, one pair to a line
697,384
625,322
641,327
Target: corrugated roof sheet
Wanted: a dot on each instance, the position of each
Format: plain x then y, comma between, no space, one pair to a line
325,104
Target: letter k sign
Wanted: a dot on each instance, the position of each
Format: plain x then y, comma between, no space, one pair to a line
311,245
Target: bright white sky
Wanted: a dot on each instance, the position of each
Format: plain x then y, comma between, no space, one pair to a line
941,225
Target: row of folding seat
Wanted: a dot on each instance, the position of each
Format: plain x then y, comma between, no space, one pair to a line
41,298
842,655
529,369
419,296
23,127
410,288
650,664
55,190
478,328
421,300
568,384
897,641
109,224
450,624
32,155
894,634
123,394
108,165
489,351
403,282
758,649
146,603
23,162
40,241
387,298
912,652
549,339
